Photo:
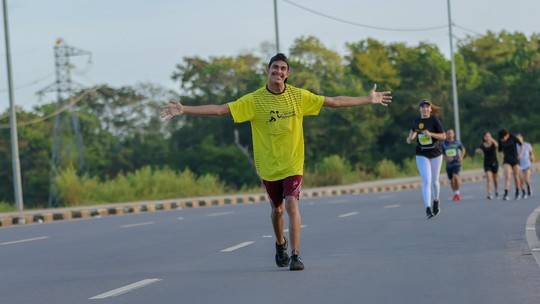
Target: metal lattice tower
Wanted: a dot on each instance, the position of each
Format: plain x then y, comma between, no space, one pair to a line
66,130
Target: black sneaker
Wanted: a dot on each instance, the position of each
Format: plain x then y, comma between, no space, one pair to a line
282,258
436,209
429,214
295,262
506,198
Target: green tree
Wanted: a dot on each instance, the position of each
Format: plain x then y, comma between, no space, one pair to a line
34,159
508,66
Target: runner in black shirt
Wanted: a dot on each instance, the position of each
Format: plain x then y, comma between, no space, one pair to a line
508,146
428,131
491,163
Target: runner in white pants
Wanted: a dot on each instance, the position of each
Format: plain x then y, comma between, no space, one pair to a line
428,131
430,169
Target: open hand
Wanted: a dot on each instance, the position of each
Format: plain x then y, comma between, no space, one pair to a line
383,98
174,108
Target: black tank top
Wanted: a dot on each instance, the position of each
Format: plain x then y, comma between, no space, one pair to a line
490,154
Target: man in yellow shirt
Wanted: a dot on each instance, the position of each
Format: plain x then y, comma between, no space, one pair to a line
276,113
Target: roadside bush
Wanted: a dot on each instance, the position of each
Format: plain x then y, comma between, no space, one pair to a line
332,170
143,184
387,169
409,167
7,207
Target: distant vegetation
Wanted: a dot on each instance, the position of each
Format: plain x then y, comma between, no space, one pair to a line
131,154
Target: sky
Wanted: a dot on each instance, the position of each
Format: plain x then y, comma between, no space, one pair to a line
141,41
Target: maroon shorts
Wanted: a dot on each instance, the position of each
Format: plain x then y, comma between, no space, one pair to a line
277,190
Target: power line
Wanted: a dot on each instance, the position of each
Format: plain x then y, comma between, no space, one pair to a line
466,30
30,83
73,101
366,25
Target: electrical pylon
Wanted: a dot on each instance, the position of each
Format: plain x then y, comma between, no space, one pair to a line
66,125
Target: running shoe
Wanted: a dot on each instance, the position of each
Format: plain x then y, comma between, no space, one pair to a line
489,197
455,197
295,262
458,197
496,195
506,198
436,209
429,214
282,258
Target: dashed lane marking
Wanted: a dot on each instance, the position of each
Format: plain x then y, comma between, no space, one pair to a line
236,247
287,230
348,214
392,206
220,213
137,225
124,289
25,240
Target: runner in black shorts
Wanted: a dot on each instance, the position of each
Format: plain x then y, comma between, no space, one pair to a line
491,163
453,151
508,145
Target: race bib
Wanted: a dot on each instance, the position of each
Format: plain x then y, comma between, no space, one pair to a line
451,152
424,140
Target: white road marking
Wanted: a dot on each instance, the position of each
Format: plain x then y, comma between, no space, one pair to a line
180,218
348,214
392,206
267,236
233,248
137,225
25,240
121,290
287,230
220,213
340,201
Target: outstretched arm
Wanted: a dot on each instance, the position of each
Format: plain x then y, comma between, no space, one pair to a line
175,108
374,97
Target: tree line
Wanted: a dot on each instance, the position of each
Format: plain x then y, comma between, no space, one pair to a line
498,78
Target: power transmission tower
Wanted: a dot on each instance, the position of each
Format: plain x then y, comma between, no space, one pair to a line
66,125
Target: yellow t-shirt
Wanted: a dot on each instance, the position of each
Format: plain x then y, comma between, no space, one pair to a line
276,128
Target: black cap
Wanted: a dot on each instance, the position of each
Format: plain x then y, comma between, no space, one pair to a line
279,57
423,102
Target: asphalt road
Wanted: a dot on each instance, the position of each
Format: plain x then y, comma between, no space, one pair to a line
369,248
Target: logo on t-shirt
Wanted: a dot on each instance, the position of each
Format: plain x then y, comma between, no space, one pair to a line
274,115
421,125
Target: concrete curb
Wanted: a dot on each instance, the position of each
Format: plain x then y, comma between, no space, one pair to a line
85,212
532,234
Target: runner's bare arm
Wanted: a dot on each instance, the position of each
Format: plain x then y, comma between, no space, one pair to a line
374,97
175,108
411,137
